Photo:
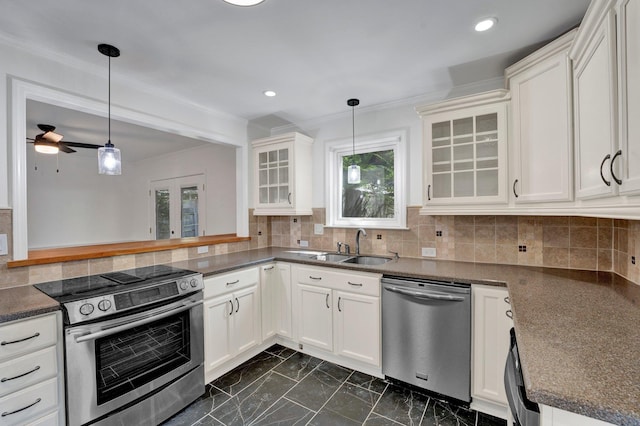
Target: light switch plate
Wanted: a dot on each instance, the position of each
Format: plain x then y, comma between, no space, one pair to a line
428,251
304,243
203,249
318,229
4,250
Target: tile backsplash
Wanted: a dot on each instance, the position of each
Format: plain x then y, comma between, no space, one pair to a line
557,241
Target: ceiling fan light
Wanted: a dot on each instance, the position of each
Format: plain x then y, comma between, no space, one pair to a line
243,2
109,162
45,147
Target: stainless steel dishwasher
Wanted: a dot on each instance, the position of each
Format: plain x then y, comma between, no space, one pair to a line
426,334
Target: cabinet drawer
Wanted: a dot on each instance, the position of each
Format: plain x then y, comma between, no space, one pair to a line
355,282
29,404
220,284
48,420
29,335
27,370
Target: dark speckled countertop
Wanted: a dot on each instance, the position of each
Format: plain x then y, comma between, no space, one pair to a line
23,302
578,331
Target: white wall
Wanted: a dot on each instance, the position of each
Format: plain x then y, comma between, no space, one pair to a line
131,102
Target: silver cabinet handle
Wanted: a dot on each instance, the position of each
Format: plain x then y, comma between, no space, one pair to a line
429,192
233,282
515,182
507,300
326,301
268,268
6,379
509,314
613,175
606,182
4,343
289,198
238,305
420,295
354,284
339,309
231,311
8,413
315,278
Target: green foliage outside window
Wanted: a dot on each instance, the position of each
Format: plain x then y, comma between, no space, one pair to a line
373,197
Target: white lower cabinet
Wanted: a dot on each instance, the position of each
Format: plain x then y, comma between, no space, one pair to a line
490,331
275,287
32,371
338,312
232,322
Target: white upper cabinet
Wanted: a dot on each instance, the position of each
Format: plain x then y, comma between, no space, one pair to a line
595,93
465,148
628,25
541,124
282,175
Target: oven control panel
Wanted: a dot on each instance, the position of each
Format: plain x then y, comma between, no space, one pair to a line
100,306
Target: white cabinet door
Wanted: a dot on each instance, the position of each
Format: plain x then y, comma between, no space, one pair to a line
217,331
283,302
246,319
490,343
541,125
357,326
315,326
595,85
273,174
627,165
268,294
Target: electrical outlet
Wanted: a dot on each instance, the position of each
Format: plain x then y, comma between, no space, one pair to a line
429,251
203,249
304,243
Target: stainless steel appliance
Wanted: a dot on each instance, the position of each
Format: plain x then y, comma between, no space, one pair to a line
524,411
134,344
426,335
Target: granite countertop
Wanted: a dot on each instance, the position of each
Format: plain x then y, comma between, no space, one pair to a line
23,302
578,331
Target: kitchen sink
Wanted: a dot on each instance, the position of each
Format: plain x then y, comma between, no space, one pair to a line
333,257
367,260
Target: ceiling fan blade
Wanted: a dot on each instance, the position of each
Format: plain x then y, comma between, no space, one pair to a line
52,137
82,145
64,148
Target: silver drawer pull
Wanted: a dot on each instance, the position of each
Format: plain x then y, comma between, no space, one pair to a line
233,282
268,268
8,413
315,278
6,379
509,314
354,284
19,340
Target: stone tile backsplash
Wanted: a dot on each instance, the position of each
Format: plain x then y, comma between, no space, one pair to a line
558,241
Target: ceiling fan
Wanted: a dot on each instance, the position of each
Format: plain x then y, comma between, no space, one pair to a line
49,142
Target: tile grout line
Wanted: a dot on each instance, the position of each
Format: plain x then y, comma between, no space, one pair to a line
332,395
376,404
424,412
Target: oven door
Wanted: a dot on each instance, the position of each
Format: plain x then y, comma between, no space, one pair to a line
113,363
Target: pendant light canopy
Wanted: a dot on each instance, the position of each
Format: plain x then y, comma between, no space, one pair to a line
353,173
109,162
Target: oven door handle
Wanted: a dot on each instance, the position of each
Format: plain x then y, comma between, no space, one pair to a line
146,320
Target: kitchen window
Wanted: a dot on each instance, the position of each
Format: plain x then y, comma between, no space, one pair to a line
378,200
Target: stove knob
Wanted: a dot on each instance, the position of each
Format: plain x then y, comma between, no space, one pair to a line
104,305
194,282
184,285
86,309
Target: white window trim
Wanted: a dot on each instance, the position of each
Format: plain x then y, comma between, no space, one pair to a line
396,140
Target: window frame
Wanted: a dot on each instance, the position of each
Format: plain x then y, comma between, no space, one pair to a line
336,150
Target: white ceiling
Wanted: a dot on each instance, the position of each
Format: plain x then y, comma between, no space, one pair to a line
314,53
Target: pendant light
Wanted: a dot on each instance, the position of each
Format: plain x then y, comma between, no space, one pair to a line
353,172
109,156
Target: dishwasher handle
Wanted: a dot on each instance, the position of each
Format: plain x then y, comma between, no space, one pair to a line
425,295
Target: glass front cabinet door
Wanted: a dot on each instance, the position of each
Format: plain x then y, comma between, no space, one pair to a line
282,175
465,147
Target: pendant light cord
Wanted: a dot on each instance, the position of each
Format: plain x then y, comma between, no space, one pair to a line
353,128
109,100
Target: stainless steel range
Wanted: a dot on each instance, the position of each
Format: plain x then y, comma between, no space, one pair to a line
133,344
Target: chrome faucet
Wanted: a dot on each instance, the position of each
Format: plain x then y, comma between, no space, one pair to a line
363,232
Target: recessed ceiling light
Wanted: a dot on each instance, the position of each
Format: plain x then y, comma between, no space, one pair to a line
485,24
269,93
244,2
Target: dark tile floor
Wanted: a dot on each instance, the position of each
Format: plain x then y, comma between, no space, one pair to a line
284,387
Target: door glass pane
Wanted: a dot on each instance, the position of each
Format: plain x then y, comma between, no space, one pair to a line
284,194
189,211
132,358
273,195
441,130
264,195
488,182
463,126
262,160
442,186
163,230
273,176
283,155
284,175
273,156
262,180
487,149
463,184
487,123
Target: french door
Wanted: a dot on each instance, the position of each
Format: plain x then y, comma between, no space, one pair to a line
177,207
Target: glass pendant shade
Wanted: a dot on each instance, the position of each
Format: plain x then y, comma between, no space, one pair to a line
44,147
353,174
109,160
